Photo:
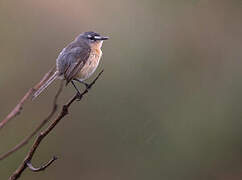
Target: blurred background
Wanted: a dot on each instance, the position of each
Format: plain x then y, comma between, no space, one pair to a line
168,105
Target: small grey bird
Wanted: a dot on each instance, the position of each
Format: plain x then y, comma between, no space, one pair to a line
78,60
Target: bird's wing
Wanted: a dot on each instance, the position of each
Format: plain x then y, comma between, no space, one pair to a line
77,58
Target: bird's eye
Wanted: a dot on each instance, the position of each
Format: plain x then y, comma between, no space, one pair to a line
91,37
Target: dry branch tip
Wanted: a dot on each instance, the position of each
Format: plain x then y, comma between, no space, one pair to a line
41,168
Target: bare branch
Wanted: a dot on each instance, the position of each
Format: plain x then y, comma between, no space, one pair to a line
43,134
16,111
41,168
26,139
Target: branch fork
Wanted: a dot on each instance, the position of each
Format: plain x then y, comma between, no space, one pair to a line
65,110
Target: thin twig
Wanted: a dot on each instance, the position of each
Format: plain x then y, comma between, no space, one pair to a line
26,139
43,134
16,111
41,168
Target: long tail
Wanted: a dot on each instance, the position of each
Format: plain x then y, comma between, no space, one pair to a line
45,85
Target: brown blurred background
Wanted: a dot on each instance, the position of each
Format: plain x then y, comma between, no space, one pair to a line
168,106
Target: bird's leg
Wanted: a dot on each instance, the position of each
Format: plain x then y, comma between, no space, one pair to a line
78,92
88,86
82,82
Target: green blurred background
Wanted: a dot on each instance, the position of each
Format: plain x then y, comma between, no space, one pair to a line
168,105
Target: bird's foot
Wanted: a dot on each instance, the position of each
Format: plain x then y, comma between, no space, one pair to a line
88,86
78,96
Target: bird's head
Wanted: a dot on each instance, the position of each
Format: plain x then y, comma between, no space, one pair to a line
92,38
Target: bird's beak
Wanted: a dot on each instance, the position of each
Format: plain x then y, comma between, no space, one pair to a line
101,38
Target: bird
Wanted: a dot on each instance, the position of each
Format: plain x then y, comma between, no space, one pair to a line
77,61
